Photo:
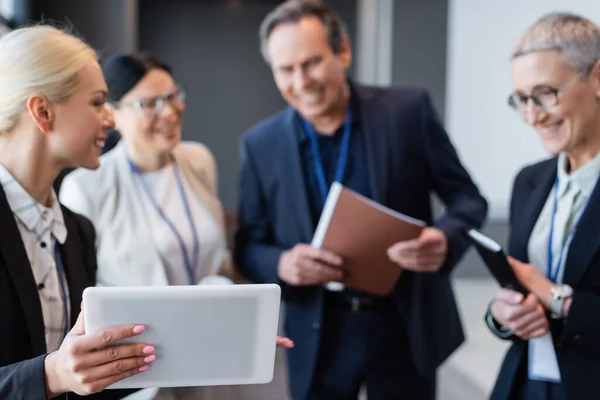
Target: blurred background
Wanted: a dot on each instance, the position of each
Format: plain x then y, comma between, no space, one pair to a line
457,49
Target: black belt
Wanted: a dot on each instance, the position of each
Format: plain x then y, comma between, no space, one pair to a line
359,304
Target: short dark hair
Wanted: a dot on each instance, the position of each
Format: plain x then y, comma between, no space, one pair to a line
123,71
292,11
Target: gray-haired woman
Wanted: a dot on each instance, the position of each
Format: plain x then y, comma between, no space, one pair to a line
554,218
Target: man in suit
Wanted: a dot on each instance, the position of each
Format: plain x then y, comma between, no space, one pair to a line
386,144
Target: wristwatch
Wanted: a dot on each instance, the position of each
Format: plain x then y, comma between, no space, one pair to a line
560,292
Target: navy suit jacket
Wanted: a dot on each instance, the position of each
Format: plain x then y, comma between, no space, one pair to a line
576,341
410,156
22,340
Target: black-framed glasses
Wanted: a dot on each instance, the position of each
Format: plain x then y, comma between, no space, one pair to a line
155,105
544,97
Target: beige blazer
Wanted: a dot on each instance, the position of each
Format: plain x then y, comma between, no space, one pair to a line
110,198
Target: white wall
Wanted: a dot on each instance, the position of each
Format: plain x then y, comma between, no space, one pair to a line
7,8
491,138
375,24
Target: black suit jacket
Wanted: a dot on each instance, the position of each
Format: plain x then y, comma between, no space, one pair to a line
22,337
409,157
577,340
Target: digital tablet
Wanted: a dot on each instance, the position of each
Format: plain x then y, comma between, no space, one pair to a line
203,335
496,262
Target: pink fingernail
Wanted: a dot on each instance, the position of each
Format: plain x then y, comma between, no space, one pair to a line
148,350
149,359
143,368
139,329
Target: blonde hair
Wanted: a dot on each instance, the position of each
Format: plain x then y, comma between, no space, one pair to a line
577,38
38,60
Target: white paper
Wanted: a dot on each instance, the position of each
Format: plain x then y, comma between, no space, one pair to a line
543,365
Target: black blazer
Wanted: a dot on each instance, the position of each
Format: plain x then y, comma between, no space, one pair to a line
577,340
22,337
409,157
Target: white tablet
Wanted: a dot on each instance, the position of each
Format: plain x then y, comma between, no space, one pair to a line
203,335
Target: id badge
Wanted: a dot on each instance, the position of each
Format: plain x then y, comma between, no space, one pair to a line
543,365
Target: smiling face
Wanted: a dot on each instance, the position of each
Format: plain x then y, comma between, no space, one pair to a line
79,124
572,122
309,75
141,120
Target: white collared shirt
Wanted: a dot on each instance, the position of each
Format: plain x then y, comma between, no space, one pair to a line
41,228
166,193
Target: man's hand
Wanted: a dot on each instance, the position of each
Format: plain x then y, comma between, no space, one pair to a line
87,364
305,265
526,319
427,253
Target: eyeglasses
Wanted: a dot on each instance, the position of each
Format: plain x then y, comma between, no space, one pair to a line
155,105
544,97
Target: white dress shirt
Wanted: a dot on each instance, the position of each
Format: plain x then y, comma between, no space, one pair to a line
41,228
163,187
127,230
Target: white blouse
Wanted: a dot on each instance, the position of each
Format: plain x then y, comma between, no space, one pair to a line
160,188
163,186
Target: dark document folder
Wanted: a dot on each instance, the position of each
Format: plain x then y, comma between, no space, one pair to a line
496,262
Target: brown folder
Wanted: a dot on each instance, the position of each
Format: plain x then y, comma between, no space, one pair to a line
360,231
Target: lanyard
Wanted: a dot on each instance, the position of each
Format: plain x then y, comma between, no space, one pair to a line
342,159
190,265
553,272
63,287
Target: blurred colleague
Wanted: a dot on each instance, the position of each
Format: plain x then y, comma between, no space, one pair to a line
554,215
52,116
388,145
153,200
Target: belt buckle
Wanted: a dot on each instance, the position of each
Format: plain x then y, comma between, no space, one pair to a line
355,305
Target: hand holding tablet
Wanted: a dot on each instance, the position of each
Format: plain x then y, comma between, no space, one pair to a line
204,335
87,363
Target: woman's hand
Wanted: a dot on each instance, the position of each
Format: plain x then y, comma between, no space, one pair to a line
533,280
88,363
284,342
525,318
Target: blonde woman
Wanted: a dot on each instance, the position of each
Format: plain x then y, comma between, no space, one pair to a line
52,116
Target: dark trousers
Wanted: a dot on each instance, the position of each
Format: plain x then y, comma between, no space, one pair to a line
539,390
366,347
